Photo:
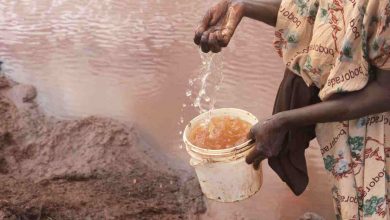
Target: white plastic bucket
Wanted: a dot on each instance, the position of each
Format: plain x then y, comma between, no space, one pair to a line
223,174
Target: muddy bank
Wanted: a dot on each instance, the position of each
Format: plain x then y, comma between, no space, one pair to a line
91,168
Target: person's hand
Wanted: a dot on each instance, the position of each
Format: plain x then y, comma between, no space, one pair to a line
218,25
269,136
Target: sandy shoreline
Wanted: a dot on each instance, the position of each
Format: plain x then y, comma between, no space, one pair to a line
90,168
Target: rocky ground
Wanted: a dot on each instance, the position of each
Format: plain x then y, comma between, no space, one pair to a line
90,168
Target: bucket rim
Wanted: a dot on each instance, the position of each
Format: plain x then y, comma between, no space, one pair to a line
247,144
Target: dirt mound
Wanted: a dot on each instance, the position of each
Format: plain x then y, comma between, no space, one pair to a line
91,168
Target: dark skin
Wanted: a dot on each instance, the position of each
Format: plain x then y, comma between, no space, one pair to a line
221,20
215,32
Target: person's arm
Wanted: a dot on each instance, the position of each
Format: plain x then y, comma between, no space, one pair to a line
374,98
262,10
269,134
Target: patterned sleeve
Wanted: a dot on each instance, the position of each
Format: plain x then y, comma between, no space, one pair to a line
379,33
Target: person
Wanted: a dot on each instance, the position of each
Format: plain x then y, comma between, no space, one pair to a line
343,48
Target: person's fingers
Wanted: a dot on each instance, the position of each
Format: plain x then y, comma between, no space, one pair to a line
202,27
256,164
258,154
213,43
234,16
254,154
198,34
204,42
251,134
218,35
226,37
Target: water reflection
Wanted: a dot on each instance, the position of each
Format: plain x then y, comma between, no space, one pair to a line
132,60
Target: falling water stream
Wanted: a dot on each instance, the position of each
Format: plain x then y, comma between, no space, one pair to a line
209,80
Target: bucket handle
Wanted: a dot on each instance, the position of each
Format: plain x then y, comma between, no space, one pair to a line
252,141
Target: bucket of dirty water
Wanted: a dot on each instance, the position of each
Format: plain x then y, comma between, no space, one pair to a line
223,174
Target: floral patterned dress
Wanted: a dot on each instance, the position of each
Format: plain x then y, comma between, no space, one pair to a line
336,45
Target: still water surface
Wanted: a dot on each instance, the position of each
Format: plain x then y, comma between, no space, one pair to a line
131,60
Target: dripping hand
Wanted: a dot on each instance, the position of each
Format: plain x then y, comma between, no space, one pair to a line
218,25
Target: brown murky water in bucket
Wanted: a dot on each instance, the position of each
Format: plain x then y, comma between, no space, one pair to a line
131,60
220,133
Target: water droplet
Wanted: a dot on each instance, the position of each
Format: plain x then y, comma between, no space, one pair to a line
184,105
207,99
180,132
160,185
134,181
188,93
181,120
181,146
171,182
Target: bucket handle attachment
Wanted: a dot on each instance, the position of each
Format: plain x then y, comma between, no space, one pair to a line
194,162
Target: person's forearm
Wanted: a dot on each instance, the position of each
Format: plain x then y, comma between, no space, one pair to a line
262,10
373,99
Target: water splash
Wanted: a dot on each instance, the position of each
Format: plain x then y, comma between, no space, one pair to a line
208,82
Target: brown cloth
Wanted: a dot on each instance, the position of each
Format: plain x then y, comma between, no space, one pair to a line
290,164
